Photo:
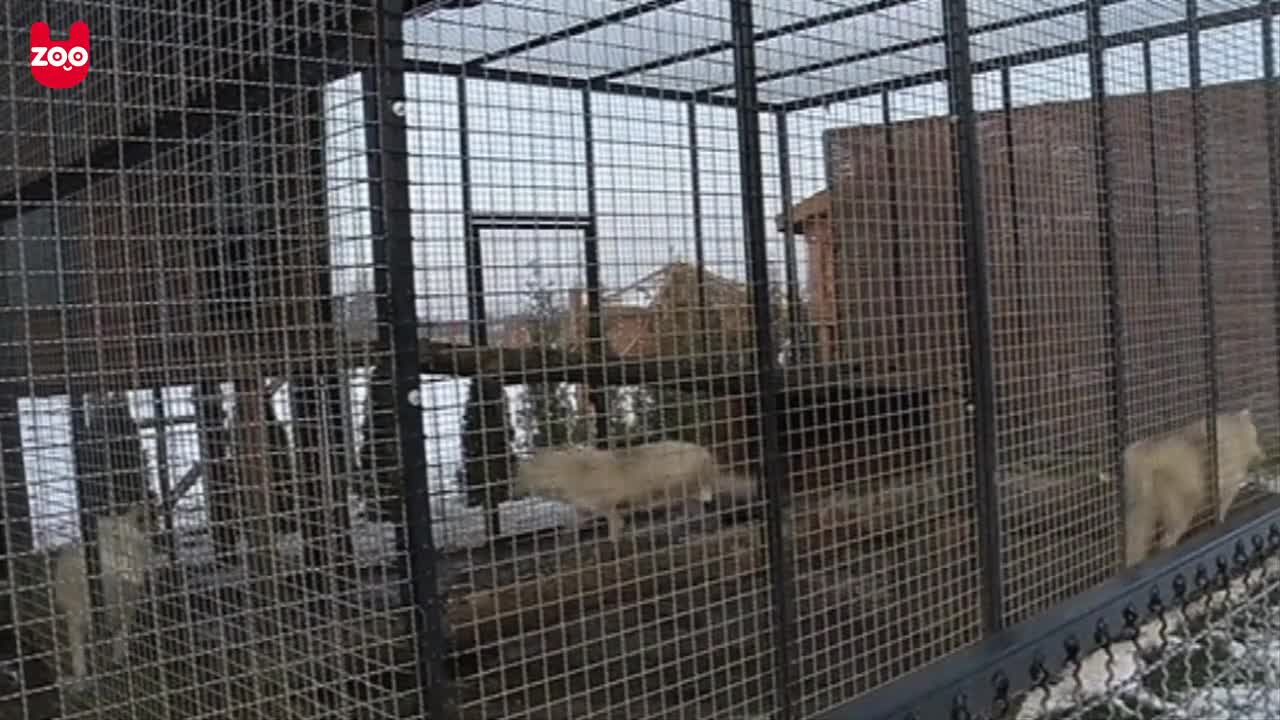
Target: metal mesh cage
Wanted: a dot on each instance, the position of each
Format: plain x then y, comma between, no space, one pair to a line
662,359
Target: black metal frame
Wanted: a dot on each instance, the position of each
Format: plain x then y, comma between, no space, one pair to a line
316,63
895,223
1110,259
767,377
789,262
591,259
477,223
1205,231
1149,88
1015,215
390,213
1271,112
393,246
978,291
699,249
160,413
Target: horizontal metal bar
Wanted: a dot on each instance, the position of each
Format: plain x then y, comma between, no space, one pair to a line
1053,52
931,691
526,77
581,28
908,45
529,221
724,46
166,421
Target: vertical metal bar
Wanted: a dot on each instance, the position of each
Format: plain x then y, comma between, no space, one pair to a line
162,468
1110,256
1149,85
477,312
398,239
591,259
1018,270
752,179
87,449
794,318
15,514
695,185
699,249
895,227
1271,115
1015,210
15,503
373,161
478,321
978,290
1205,232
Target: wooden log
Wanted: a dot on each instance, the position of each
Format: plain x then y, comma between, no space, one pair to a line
644,568
520,365
482,618
637,628
710,373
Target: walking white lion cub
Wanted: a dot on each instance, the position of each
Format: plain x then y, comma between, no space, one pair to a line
601,481
1165,478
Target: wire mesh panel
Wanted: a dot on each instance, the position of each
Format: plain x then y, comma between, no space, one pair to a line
600,478
1243,234
180,443
1169,379
879,444
659,359
1043,186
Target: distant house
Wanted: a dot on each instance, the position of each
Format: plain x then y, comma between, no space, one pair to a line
662,313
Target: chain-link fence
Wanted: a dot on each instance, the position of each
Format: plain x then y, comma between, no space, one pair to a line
663,359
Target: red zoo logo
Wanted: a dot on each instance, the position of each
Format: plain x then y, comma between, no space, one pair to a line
60,64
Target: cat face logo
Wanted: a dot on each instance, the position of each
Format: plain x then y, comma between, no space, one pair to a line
60,64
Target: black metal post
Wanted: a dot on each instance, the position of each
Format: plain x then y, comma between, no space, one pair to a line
1015,211
768,377
1115,317
895,227
15,514
393,153
1020,297
1149,88
978,290
478,323
1271,113
87,448
591,259
699,249
162,469
477,311
794,317
1204,228
15,505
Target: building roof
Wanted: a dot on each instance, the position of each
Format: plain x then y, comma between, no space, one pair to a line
817,205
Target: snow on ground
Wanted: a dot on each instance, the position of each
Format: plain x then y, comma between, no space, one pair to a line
1237,636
